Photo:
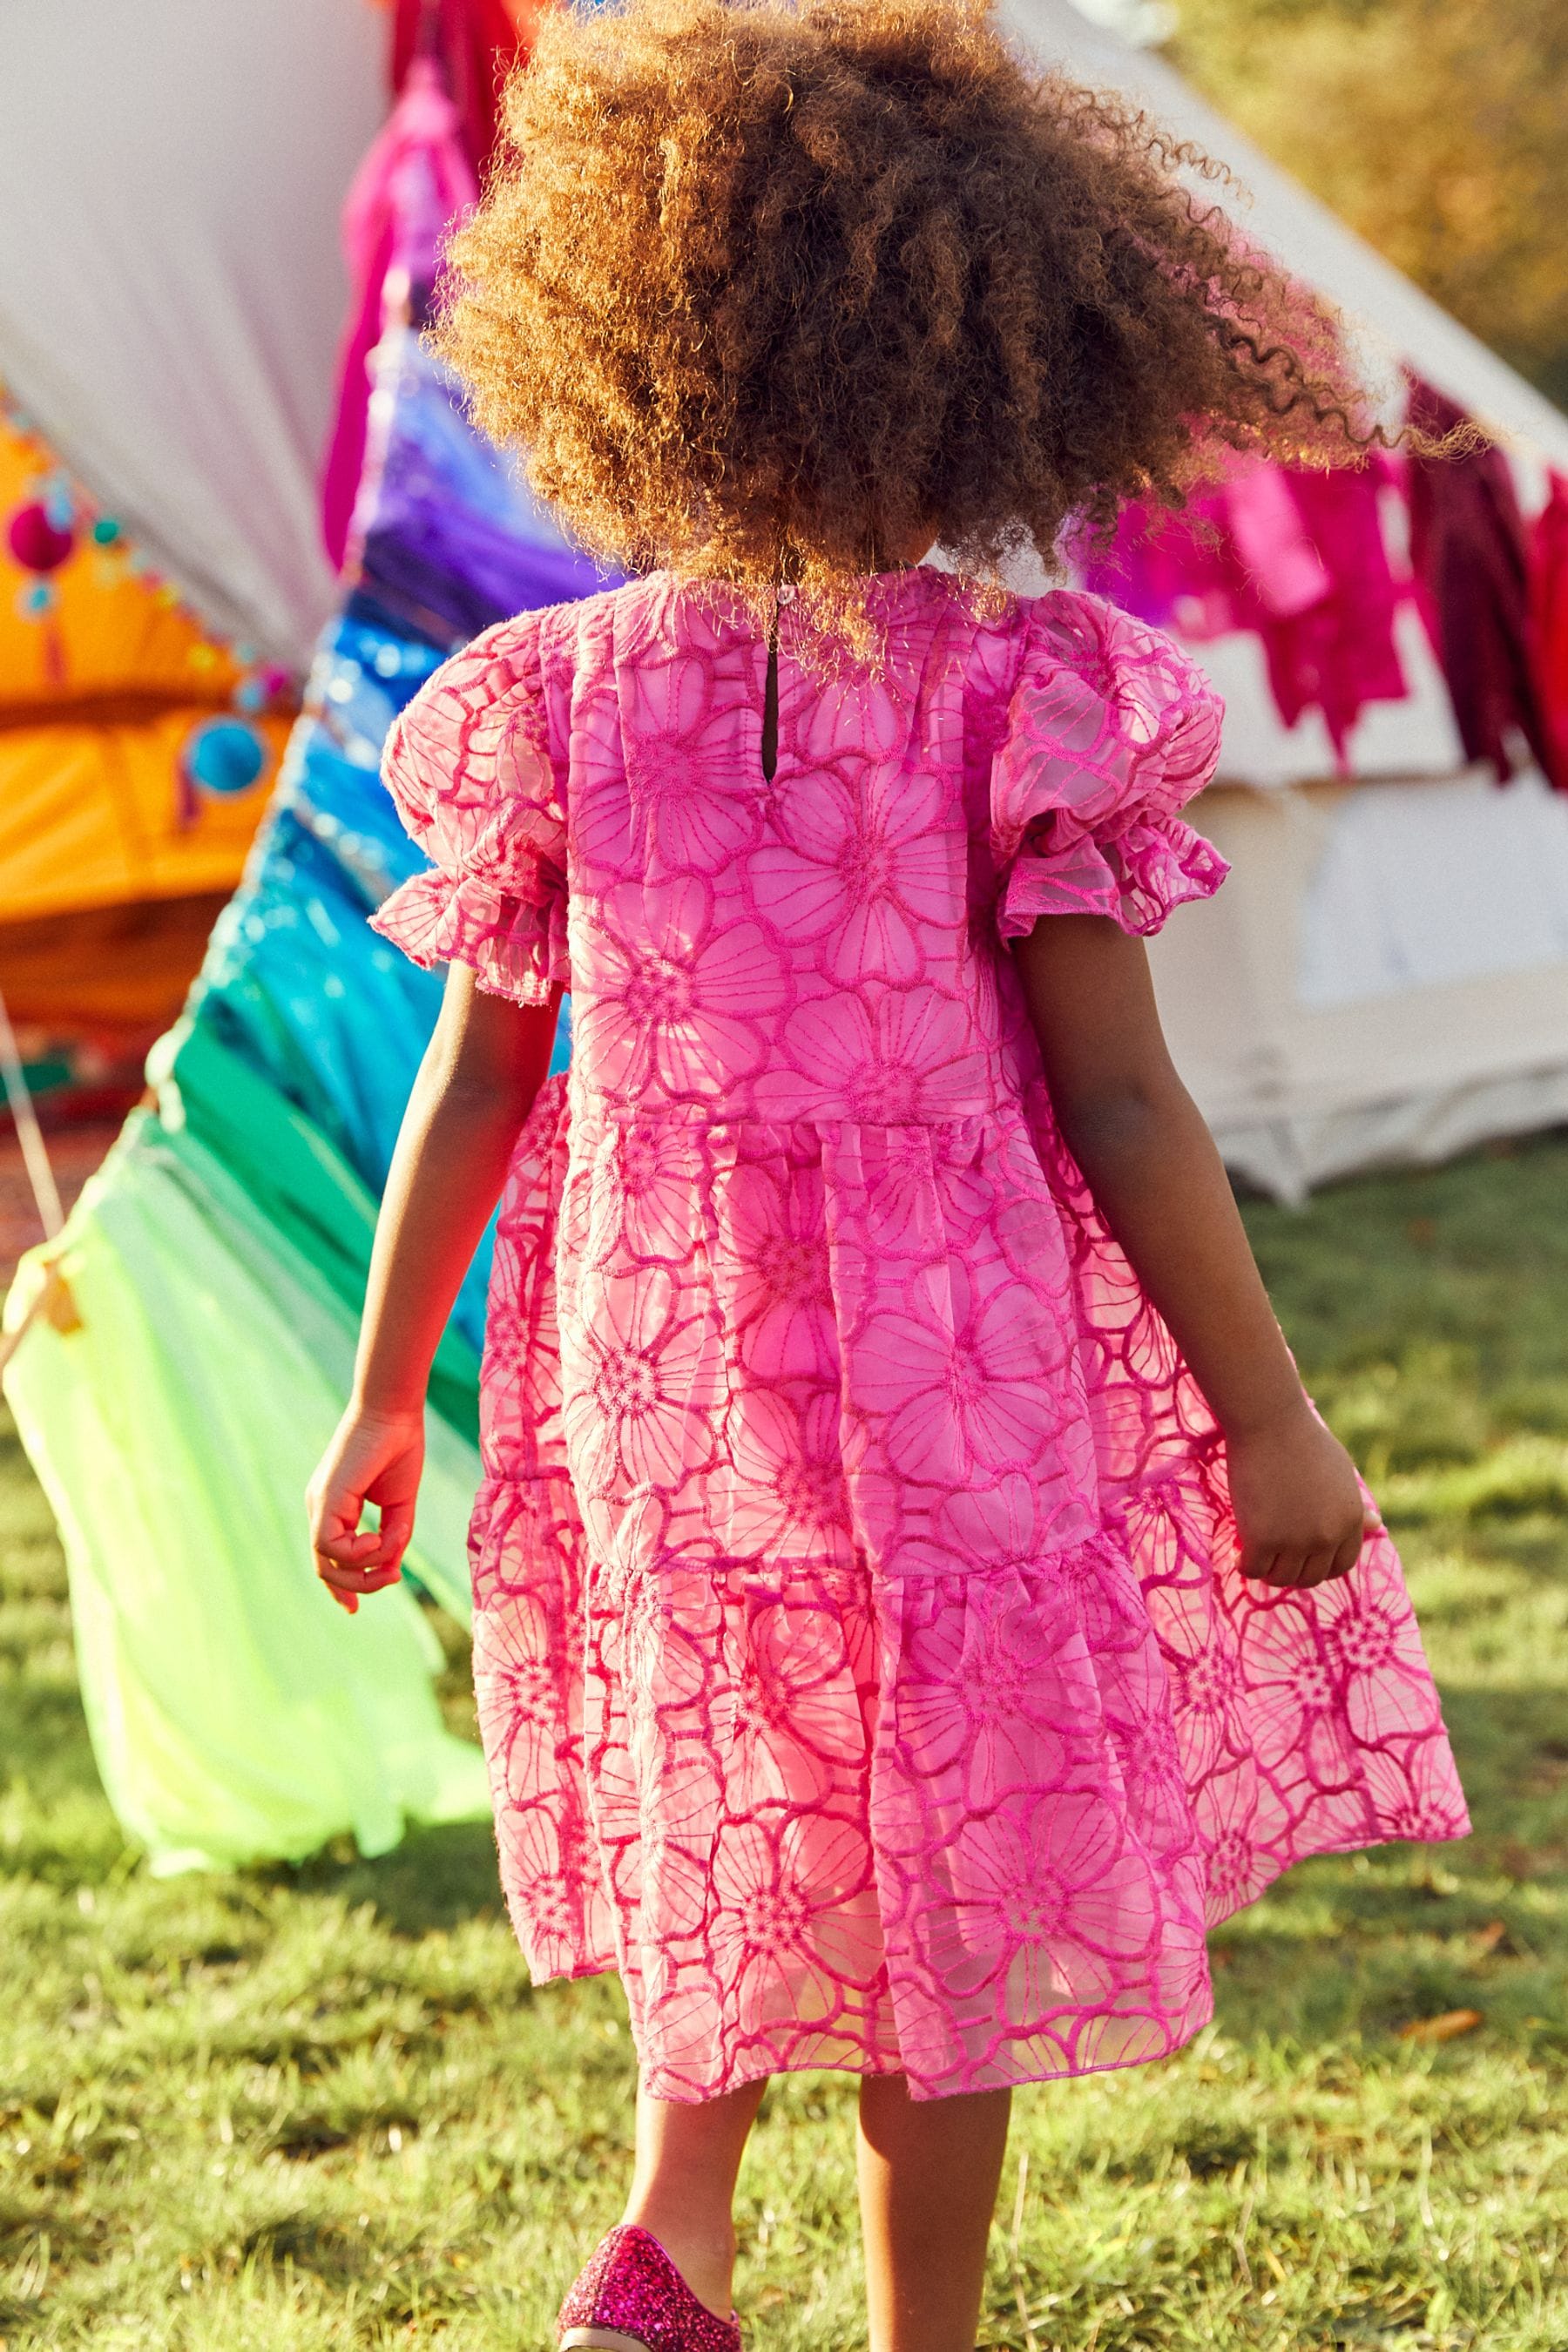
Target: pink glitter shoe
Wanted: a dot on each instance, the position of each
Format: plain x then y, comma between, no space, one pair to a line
629,2297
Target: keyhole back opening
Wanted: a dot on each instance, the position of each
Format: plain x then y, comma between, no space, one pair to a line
771,708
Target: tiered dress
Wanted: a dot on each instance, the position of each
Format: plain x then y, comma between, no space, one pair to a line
863,1667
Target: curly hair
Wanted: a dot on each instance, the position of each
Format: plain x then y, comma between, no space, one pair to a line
762,289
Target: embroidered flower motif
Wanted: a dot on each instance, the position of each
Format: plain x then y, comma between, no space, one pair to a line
954,1401
517,1685
791,1497
865,867
771,1886
984,1691
543,1876
888,1059
798,1704
692,793
644,1196
1023,1522
1365,1637
1230,1821
629,1412
781,1297
929,1189
1052,1903
1206,1689
681,999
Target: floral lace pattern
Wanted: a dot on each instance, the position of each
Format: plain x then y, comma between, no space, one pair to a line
863,1668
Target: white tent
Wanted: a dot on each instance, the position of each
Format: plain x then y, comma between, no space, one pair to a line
172,299
1303,232
1386,975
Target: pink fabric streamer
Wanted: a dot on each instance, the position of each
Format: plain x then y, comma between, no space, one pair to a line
1470,554
1285,573
415,181
1549,626
1296,555
862,1662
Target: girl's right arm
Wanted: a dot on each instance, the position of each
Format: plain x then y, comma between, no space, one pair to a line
477,1084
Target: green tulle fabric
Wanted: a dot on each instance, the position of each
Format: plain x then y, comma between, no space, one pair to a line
236,1713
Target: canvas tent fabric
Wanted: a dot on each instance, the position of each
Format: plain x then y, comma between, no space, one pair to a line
1312,1051
1395,316
1383,979
172,298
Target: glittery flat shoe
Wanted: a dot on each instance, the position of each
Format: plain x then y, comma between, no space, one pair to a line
629,2297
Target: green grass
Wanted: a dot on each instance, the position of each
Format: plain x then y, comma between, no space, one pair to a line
320,2107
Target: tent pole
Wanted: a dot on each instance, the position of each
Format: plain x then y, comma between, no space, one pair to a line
35,1151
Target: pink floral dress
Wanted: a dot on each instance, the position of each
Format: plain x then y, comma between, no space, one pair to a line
863,1668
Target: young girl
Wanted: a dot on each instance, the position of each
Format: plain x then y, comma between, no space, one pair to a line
913,1596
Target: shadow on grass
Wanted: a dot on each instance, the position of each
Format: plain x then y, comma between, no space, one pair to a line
45,1742
437,1878
1369,1944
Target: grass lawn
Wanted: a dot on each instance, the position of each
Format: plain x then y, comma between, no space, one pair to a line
320,2107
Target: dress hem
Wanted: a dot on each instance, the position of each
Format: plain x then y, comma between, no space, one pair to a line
1183,2039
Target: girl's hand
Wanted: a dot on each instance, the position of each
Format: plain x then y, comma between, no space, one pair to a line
1300,1514
373,1457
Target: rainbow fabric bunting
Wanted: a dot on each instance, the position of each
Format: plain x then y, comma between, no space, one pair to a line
204,1295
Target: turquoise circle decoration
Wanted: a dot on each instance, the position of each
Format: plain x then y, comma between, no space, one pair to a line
225,756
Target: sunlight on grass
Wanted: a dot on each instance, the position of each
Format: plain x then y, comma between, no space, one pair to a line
299,2110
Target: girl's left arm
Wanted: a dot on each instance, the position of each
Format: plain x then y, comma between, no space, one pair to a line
1152,1165
475,1085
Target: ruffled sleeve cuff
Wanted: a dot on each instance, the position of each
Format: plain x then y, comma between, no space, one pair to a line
467,764
516,948
1111,728
1137,879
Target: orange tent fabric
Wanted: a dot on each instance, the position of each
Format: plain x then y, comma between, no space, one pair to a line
93,815
111,867
111,633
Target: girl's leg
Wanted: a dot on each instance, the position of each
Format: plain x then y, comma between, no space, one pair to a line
683,2184
928,2173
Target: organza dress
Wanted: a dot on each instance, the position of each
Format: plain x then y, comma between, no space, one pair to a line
863,1667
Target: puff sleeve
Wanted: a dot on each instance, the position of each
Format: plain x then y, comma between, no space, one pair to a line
1110,729
467,764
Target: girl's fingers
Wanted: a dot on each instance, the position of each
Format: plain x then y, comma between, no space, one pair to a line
391,1538
360,1572
351,1548
1252,1557
353,1580
1293,1569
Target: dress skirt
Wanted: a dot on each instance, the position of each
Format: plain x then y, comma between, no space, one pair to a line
950,1787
